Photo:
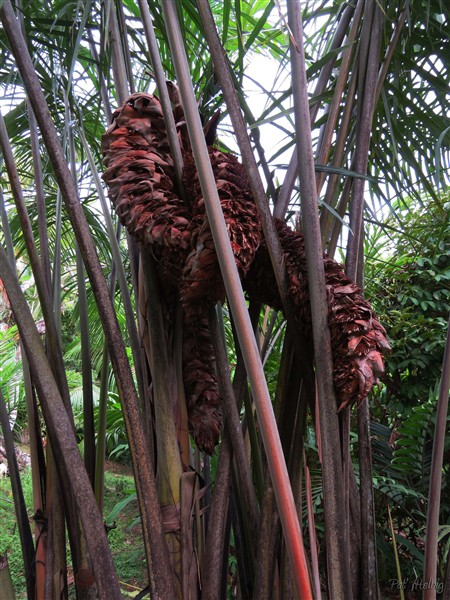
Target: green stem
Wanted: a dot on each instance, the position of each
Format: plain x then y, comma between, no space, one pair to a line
397,560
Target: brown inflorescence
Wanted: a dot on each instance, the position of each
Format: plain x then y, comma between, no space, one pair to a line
140,177
202,280
202,397
140,174
358,339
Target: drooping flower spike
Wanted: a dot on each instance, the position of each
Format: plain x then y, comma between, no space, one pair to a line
140,178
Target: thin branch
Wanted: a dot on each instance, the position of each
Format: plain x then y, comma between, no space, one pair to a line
368,70
118,61
163,93
40,196
217,526
122,28
233,424
86,362
335,108
390,51
216,537
38,179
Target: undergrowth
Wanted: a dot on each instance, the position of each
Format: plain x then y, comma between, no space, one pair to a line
125,537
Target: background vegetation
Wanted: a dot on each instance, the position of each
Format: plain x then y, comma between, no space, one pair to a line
378,91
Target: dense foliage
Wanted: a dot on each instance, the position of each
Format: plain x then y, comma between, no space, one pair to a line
408,276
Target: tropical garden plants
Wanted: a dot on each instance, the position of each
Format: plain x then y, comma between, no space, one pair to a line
348,106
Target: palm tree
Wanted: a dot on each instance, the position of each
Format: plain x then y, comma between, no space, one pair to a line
359,138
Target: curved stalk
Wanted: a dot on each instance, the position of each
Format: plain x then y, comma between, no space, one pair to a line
368,65
247,512
218,519
40,197
99,478
118,61
99,488
36,265
126,54
312,529
163,93
335,107
232,423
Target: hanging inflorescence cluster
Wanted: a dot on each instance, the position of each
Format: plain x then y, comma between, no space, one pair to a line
140,177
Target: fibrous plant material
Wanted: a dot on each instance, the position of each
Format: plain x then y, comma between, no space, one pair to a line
202,285
202,281
358,339
202,397
174,227
140,177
